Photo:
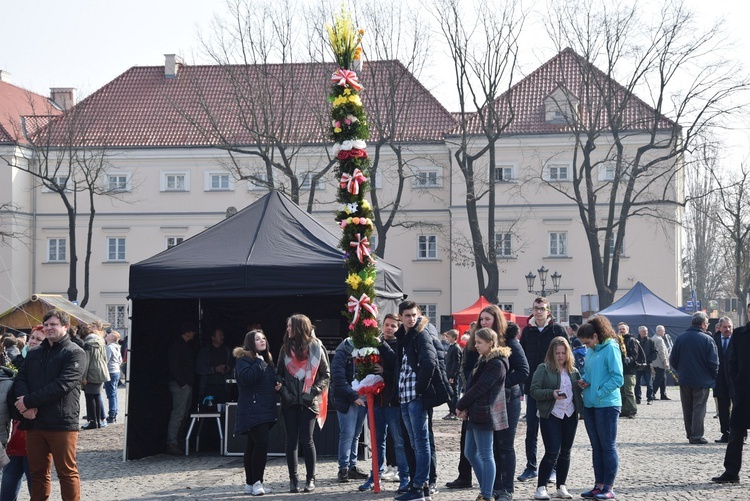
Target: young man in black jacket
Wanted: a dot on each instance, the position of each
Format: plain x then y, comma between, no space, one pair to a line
535,340
48,390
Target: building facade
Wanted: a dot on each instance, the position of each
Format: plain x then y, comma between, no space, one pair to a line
169,168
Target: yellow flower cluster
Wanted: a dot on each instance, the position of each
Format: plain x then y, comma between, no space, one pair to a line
345,39
353,281
342,100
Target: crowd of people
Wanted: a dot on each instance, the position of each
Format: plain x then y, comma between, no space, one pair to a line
593,372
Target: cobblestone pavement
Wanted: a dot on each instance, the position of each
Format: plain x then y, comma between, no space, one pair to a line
656,463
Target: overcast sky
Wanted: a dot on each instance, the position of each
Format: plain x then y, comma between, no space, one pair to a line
87,43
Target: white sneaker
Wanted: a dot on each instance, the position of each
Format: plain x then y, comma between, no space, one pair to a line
562,493
248,489
388,474
541,493
258,489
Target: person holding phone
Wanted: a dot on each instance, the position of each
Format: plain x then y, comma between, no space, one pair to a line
555,388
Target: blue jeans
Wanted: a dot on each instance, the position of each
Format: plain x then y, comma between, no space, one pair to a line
388,420
479,452
532,430
601,426
12,475
350,427
415,420
110,388
558,436
504,450
645,377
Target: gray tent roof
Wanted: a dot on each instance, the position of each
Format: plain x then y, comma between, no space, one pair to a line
270,248
640,306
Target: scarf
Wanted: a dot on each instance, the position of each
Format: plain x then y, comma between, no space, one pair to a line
306,371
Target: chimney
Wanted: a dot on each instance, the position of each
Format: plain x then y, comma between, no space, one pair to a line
64,97
4,76
172,63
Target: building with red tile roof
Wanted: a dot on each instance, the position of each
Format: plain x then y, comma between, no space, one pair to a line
174,140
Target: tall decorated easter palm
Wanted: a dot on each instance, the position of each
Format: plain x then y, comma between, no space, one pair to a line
349,132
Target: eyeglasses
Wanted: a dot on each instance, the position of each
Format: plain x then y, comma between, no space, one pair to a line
538,308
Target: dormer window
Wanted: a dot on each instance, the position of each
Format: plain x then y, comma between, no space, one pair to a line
560,106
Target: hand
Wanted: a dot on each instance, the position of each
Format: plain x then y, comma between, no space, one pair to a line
378,369
20,405
29,414
360,402
450,380
464,414
221,369
558,395
83,382
583,384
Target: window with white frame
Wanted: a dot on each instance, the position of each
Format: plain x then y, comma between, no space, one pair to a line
218,181
61,180
557,310
427,179
57,250
504,244
508,307
611,246
117,316
259,181
504,173
116,249
306,181
427,247
430,312
118,183
607,172
172,241
557,172
175,181
558,243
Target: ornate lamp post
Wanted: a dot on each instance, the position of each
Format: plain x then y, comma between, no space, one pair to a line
543,282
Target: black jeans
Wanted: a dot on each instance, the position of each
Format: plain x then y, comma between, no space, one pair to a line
503,449
558,436
299,424
532,431
256,453
93,407
660,382
733,456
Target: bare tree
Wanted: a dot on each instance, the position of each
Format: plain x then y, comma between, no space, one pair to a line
69,157
398,42
7,215
733,216
704,266
265,84
483,51
640,145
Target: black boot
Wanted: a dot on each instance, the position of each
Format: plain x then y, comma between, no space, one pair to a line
293,484
92,425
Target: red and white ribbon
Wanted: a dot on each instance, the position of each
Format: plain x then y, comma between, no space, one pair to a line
355,306
351,182
346,78
363,248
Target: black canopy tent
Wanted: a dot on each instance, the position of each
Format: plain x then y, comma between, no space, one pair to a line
640,306
261,265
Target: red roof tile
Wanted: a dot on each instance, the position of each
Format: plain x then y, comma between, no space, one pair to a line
16,102
565,70
200,105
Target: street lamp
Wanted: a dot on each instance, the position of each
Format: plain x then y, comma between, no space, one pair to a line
543,282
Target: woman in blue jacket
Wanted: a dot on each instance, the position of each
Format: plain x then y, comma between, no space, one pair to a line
601,382
256,406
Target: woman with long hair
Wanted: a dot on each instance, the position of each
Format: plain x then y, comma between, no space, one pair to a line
601,382
256,405
304,374
483,407
555,388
